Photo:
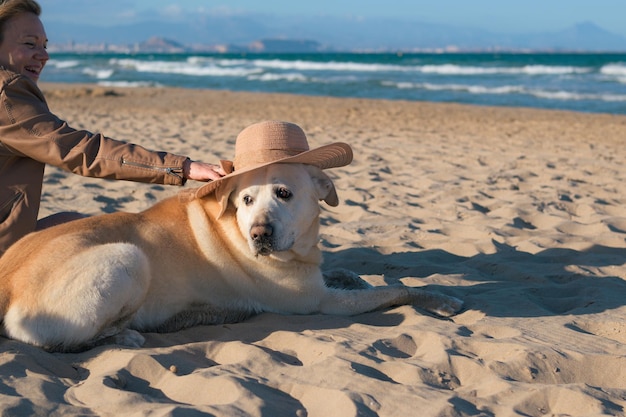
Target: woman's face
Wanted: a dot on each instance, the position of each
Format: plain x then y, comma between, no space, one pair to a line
23,48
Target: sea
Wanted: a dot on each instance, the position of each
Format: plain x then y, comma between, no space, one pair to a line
586,82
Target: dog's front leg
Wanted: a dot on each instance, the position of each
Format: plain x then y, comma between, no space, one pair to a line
348,302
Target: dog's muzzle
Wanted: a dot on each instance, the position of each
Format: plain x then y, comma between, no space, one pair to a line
262,236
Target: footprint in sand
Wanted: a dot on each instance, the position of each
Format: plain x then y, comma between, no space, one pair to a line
561,300
614,330
401,347
616,224
564,401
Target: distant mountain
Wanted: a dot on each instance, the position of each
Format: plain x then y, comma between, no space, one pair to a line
334,33
156,44
581,36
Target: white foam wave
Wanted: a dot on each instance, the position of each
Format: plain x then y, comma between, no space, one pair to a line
442,69
512,89
64,64
185,68
618,70
100,74
327,66
566,95
290,77
553,70
474,89
211,66
452,69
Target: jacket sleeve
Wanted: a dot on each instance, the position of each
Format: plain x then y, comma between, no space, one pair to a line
33,131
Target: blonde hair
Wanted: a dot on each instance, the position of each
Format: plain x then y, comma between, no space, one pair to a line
12,8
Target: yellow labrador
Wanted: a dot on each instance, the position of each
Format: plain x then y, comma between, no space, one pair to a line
249,246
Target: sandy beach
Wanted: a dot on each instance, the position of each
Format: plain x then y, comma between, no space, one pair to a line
519,212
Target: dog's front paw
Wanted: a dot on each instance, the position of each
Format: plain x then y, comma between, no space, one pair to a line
130,338
344,279
448,306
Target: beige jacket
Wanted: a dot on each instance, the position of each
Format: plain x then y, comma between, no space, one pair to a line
31,136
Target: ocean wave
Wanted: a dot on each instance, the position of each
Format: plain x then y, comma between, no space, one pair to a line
474,89
100,74
184,68
511,89
567,96
71,63
226,67
441,69
290,77
327,66
453,69
618,70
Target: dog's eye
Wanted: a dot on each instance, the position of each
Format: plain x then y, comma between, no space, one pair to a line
247,200
283,193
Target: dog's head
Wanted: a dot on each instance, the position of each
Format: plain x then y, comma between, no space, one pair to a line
278,207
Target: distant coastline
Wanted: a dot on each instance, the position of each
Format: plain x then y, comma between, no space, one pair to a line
231,33
297,46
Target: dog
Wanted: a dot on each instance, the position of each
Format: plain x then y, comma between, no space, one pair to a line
235,247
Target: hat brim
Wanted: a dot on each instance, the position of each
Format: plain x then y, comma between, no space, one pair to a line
327,156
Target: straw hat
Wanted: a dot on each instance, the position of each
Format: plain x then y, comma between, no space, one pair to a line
275,142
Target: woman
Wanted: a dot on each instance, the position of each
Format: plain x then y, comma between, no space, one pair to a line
31,136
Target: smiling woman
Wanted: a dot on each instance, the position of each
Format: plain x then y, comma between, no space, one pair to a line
23,40
32,136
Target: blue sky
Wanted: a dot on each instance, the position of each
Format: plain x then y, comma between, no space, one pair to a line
493,15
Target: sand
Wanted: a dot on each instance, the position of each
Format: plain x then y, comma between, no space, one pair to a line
519,212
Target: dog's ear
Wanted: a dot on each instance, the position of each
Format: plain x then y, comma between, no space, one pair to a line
324,186
222,195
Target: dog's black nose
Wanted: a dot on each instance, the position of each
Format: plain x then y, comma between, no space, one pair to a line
261,231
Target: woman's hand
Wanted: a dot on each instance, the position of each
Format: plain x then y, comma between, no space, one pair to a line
200,171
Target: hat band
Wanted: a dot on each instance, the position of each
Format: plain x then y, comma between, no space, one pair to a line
263,156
